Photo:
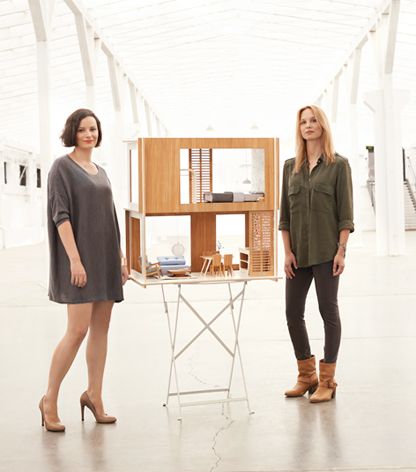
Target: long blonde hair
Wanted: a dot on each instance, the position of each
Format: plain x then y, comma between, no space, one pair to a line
326,138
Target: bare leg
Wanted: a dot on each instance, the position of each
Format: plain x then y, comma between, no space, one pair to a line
79,317
97,351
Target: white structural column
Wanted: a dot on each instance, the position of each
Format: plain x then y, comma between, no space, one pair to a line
158,126
354,76
42,14
387,104
133,101
142,116
118,161
154,123
335,94
148,118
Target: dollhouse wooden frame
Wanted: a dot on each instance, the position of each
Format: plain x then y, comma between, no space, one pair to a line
154,190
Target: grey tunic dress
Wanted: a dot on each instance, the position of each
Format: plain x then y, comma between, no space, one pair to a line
87,202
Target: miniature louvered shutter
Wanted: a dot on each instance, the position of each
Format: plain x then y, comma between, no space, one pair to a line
200,177
261,243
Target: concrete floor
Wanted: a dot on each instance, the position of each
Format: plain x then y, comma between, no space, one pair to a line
370,426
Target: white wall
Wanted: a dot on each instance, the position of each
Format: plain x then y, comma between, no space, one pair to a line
21,209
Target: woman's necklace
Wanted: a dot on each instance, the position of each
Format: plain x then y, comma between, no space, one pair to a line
314,161
86,165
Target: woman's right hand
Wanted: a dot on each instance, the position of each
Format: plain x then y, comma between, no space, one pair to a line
290,263
78,274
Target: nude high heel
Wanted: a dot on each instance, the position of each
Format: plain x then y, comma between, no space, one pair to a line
86,402
54,427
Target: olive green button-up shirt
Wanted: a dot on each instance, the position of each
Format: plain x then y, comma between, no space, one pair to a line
315,207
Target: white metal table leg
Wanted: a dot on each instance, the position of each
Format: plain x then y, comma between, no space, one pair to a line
236,343
207,327
173,344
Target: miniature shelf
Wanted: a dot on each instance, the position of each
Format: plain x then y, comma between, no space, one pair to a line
244,258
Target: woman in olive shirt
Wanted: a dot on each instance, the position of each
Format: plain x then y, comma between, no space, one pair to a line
316,218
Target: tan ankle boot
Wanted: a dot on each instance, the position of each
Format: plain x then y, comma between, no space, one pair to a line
307,378
327,385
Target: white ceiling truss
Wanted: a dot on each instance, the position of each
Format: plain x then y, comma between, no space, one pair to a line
185,66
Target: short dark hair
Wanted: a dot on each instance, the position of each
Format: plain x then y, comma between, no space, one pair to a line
69,133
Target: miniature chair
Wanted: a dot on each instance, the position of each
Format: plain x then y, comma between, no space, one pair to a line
228,264
152,270
216,265
207,260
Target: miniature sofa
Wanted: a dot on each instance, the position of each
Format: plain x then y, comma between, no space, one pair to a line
171,263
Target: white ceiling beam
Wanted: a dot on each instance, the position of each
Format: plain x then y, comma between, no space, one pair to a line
384,36
392,36
355,72
86,41
18,43
376,42
77,9
114,63
114,81
16,20
42,14
133,101
370,28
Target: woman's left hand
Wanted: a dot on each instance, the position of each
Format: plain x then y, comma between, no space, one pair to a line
124,274
339,265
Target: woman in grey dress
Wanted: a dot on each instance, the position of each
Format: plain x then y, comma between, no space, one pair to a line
87,267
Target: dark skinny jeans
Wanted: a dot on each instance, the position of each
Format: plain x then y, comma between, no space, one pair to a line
326,286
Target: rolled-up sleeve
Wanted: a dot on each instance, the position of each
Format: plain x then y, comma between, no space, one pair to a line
59,207
284,212
58,200
345,198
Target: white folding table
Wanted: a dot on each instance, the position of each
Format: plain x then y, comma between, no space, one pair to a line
234,307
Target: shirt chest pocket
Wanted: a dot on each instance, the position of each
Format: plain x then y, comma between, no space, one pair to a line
296,198
322,198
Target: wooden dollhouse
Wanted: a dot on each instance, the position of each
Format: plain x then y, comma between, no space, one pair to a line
179,176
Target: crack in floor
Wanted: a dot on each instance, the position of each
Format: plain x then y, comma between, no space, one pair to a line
214,442
193,374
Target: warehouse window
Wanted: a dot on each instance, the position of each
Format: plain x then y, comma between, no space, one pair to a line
22,175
